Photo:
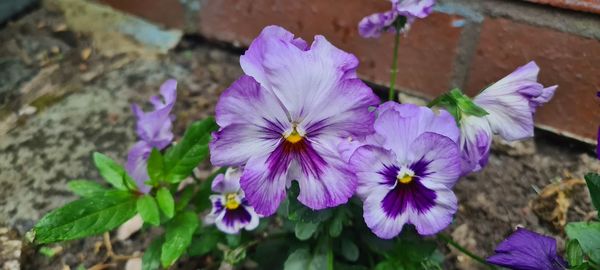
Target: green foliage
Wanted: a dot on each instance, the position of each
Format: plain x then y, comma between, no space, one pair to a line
574,253
588,236
182,158
304,231
155,167
146,206
85,188
151,258
349,250
113,173
411,252
337,222
205,242
166,202
297,212
178,237
86,217
458,104
593,183
303,259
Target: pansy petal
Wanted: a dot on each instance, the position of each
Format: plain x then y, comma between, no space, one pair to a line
377,220
235,144
137,163
439,156
373,25
228,182
368,162
440,215
263,190
231,221
475,143
218,207
415,8
254,218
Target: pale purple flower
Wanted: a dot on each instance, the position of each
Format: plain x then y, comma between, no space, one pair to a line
284,119
230,210
407,171
511,103
154,131
373,25
527,250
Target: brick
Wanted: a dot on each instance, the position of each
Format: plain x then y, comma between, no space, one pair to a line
169,13
581,5
426,57
568,60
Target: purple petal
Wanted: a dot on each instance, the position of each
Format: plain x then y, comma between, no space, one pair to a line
136,166
437,217
155,127
475,143
231,221
527,250
228,182
263,190
440,157
373,25
415,8
369,162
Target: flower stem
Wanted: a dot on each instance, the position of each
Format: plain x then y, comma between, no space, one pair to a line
462,249
329,254
394,71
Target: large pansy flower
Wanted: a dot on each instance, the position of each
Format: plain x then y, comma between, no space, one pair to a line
284,118
407,177
511,103
373,25
527,250
154,131
230,210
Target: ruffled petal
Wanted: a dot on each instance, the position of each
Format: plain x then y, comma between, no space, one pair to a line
368,162
439,216
373,25
380,223
217,210
401,124
137,163
475,143
235,144
263,189
228,182
415,8
440,156
155,127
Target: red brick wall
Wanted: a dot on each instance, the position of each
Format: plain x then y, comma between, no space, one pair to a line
465,44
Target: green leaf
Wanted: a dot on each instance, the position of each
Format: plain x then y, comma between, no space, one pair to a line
304,231
349,250
182,158
166,202
155,167
574,253
85,188
86,217
593,183
184,198
337,223
205,243
385,265
588,235
458,104
302,259
113,173
146,206
178,237
151,258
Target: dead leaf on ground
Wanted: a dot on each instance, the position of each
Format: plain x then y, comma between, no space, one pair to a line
554,201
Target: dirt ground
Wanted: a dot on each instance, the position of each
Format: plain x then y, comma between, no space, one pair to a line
61,99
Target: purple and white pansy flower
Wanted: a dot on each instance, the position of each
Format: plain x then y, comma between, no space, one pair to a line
230,210
407,171
373,25
154,131
285,117
511,103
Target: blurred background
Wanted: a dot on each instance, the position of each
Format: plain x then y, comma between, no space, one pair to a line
69,70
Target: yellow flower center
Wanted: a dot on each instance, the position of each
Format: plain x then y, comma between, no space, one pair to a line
231,201
405,179
294,137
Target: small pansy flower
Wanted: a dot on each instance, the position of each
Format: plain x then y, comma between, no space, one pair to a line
284,119
154,131
230,210
527,250
373,25
511,103
407,171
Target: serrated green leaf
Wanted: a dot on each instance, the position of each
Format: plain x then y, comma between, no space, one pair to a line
146,206
303,259
86,217
155,167
588,236
574,253
204,243
113,173
182,158
85,188
349,250
593,183
304,231
178,237
166,202
151,258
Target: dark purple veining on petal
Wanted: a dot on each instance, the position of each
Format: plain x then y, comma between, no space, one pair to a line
310,161
239,215
218,206
402,195
272,130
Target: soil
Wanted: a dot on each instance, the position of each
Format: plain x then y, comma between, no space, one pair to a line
57,107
